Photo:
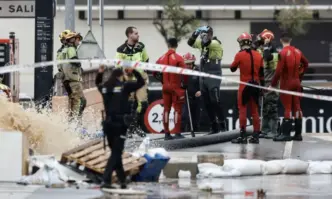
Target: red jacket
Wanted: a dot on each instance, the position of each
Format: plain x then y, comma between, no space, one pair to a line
172,80
291,61
242,60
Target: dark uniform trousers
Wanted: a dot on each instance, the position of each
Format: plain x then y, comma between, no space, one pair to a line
116,136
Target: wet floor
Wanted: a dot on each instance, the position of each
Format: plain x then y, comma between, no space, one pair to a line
280,186
314,147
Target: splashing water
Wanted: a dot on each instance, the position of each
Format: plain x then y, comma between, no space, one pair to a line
47,132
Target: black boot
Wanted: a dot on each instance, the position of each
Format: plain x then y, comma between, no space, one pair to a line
265,128
262,135
298,130
254,139
214,128
123,186
167,135
285,130
273,123
223,126
242,139
179,136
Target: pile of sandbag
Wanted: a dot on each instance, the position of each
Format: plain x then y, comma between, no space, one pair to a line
244,167
49,172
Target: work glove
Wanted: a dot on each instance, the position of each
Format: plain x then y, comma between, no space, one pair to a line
199,30
203,28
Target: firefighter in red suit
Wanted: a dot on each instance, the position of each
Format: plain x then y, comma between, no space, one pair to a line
173,90
291,66
250,63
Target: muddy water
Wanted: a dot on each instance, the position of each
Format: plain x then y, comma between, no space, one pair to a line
48,132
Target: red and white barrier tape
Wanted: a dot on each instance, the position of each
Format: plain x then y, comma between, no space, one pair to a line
155,67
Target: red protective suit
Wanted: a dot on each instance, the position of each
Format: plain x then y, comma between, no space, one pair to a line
251,71
288,71
171,90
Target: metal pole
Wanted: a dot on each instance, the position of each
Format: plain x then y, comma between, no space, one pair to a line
70,15
12,76
89,19
190,116
101,23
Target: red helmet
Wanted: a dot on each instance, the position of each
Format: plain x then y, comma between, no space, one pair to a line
189,58
245,39
267,34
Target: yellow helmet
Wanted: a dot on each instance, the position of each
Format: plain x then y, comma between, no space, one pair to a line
63,34
73,35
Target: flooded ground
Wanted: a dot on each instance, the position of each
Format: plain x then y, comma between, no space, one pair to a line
314,147
279,186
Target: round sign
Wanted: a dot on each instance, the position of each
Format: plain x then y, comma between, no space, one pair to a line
153,117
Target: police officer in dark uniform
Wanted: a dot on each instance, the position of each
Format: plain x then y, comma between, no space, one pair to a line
115,92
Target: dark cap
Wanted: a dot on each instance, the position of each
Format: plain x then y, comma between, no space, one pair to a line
286,35
172,42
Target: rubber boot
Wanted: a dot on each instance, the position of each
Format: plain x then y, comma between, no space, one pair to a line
214,128
254,139
298,130
123,186
285,130
179,136
167,135
274,129
265,128
242,139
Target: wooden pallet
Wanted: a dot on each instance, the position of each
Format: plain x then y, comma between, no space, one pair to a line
93,156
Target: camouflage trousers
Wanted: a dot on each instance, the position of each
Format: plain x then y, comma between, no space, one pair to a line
76,98
270,113
140,100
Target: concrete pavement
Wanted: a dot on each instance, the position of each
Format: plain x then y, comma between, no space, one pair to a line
314,147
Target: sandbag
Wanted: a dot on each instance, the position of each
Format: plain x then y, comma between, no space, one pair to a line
293,166
319,167
48,172
209,170
202,166
244,166
184,174
273,167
